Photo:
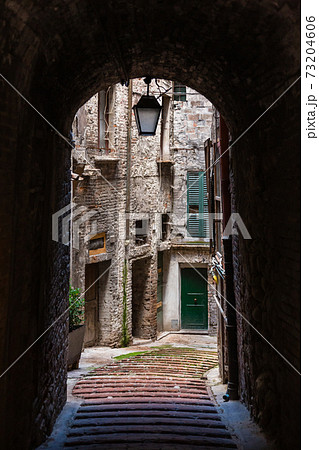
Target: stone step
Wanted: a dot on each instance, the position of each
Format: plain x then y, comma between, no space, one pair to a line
142,445
145,438
146,413
168,406
170,361
207,422
105,392
184,430
133,399
126,374
115,387
153,401
173,387
121,381
158,368
105,377
154,372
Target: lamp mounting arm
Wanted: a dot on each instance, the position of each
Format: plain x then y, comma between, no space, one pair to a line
147,80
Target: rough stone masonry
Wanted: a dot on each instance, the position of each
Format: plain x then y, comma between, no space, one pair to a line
151,176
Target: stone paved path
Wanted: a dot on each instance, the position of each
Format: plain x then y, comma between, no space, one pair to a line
157,400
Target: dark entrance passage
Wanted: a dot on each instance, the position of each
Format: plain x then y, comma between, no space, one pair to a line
159,304
143,313
91,304
194,305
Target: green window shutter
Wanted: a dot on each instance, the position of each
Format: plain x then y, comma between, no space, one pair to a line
193,200
205,223
197,205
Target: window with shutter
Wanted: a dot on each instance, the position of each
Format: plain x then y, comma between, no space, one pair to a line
197,205
179,92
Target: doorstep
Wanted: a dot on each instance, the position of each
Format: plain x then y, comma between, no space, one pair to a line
166,333
139,341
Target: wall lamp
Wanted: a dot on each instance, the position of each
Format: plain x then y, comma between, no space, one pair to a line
147,112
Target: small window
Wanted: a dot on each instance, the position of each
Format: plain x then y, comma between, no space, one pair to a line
179,92
97,244
105,111
102,121
141,231
165,226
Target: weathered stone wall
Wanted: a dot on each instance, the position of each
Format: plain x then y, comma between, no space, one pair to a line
102,199
266,268
150,183
34,275
104,192
144,284
150,191
192,122
185,160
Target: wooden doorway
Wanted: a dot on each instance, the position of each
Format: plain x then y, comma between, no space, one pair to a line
91,304
194,301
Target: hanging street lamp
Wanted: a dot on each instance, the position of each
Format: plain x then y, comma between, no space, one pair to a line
147,112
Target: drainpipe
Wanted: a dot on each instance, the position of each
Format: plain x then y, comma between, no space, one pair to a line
224,171
231,327
207,147
128,160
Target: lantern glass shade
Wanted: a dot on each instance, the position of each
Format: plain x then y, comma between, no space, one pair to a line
147,112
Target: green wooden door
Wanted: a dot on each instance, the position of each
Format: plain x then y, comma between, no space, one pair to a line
194,305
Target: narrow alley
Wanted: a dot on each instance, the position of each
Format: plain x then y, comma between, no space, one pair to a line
150,187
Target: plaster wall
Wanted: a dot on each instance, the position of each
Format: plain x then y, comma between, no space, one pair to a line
173,261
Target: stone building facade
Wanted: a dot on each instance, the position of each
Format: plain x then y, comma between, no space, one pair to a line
131,214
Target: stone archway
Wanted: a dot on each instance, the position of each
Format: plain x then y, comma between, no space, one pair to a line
241,56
